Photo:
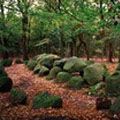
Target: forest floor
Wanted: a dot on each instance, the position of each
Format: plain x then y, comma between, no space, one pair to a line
77,105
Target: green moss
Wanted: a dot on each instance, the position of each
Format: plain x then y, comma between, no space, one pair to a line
31,64
5,84
43,71
53,72
75,82
63,77
74,64
60,63
18,96
6,62
45,100
94,73
113,84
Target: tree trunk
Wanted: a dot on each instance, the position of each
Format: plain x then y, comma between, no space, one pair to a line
25,25
110,52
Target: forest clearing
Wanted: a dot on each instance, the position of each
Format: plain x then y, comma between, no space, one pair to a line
59,59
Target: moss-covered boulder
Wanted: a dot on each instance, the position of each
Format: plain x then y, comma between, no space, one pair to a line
5,84
43,71
6,62
98,89
115,107
74,64
47,60
18,96
37,68
63,77
94,73
90,62
31,64
76,82
46,100
113,84
60,63
53,72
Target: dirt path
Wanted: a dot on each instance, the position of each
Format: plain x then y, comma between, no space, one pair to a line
76,104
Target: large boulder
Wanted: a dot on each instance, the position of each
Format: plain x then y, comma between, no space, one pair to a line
63,77
53,72
46,100
18,96
76,82
31,64
5,84
113,84
47,60
60,63
43,71
74,64
94,73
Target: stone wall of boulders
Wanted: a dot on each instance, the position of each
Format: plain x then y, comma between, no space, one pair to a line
77,74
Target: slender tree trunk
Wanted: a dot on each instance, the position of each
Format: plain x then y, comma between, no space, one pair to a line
110,52
25,24
2,36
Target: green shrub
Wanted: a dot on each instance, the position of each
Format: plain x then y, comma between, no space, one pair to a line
43,71
53,72
5,84
60,63
76,82
26,62
2,72
63,77
98,89
94,73
6,62
31,64
74,64
18,96
113,84
115,107
45,100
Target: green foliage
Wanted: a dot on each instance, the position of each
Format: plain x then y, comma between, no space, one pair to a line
31,64
5,84
113,84
76,82
94,73
2,72
6,62
63,77
45,100
18,96
98,89
53,72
